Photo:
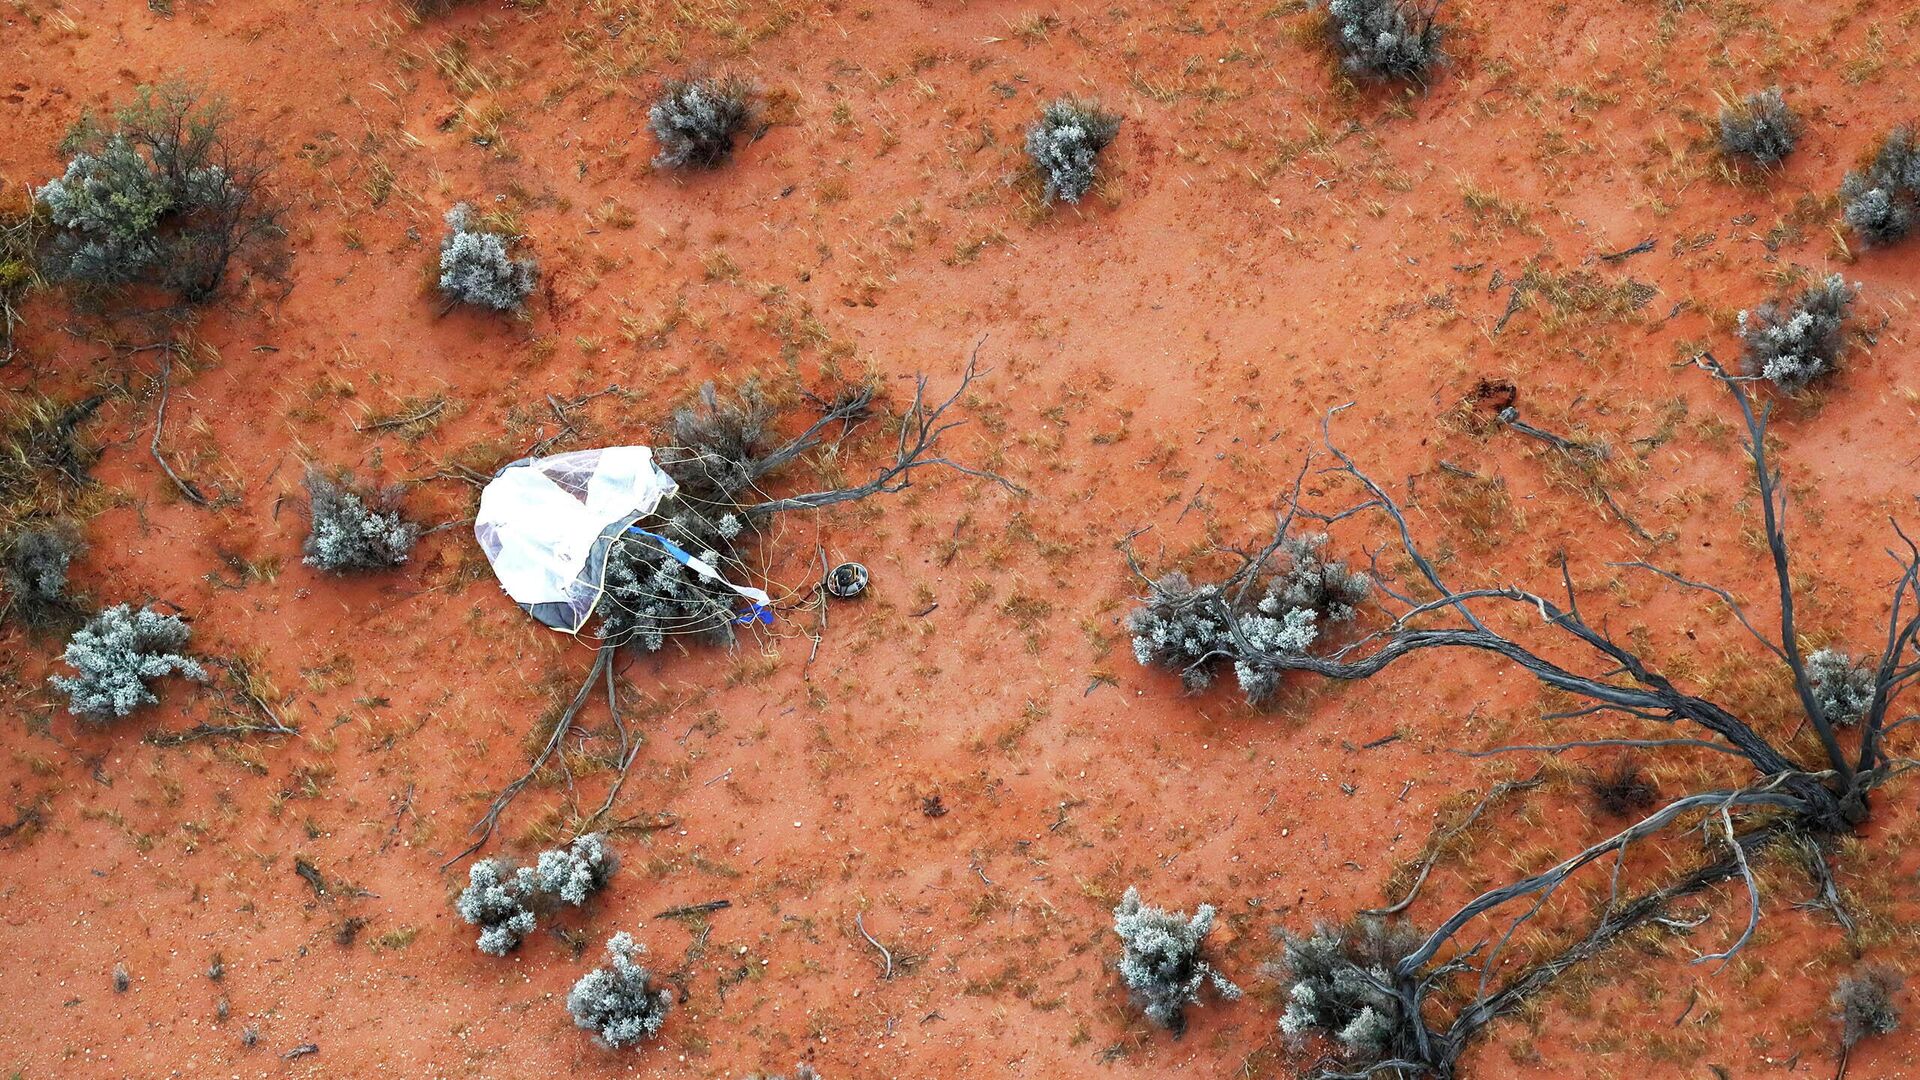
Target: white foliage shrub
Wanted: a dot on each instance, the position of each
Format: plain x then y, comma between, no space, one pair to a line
1385,39
1881,199
1193,630
697,120
1843,688
495,900
476,268
1340,987
116,654
619,1003
1794,344
1761,128
1161,959
347,533
1065,145
577,871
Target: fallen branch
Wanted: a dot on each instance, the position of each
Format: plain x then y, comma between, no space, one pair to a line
482,830
860,925
187,488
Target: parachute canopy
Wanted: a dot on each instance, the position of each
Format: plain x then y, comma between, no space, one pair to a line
547,525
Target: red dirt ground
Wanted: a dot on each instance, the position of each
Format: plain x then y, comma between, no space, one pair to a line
1269,243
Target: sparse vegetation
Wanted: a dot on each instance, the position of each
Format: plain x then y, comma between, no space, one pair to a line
43,460
34,561
1161,959
619,1003
1065,144
354,528
1761,128
1194,630
1794,344
116,654
697,120
1386,39
21,226
166,197
1882,197
1863,1003
476,267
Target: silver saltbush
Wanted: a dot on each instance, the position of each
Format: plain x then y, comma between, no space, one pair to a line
1843,688
1794,344
1192,630
1880,200
1065,145
116,654
1761,128
475,267
495,900
1340,979
696,121
348,534
1385,39
1161,960
577,871
619,1003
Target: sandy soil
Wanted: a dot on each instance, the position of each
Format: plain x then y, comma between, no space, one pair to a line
1269,243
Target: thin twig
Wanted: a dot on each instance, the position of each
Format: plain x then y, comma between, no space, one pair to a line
860,925
186,487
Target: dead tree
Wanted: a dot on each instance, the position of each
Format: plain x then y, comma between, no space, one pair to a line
1447,989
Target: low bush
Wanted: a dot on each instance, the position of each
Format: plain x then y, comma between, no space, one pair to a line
579,870
1881,198
1338,978
1161,960
619,1003
1194,630
1794,344
163,197
697,120
1065,144
1386,39
1843,688
1863,1003
116,654
1761,128
33,567
476,267
495,900
354,528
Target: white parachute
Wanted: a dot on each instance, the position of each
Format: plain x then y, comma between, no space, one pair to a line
546,525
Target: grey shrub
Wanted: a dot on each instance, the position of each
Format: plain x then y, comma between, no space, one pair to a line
116,654
1793,344
354,528
1193,630
1843,688
164,196
477,268
697,120
1864,1005
619,1003
577,871
1065,145
1386,39
1761,128
1161,959
1880,200
495,900
1339,979
33,570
